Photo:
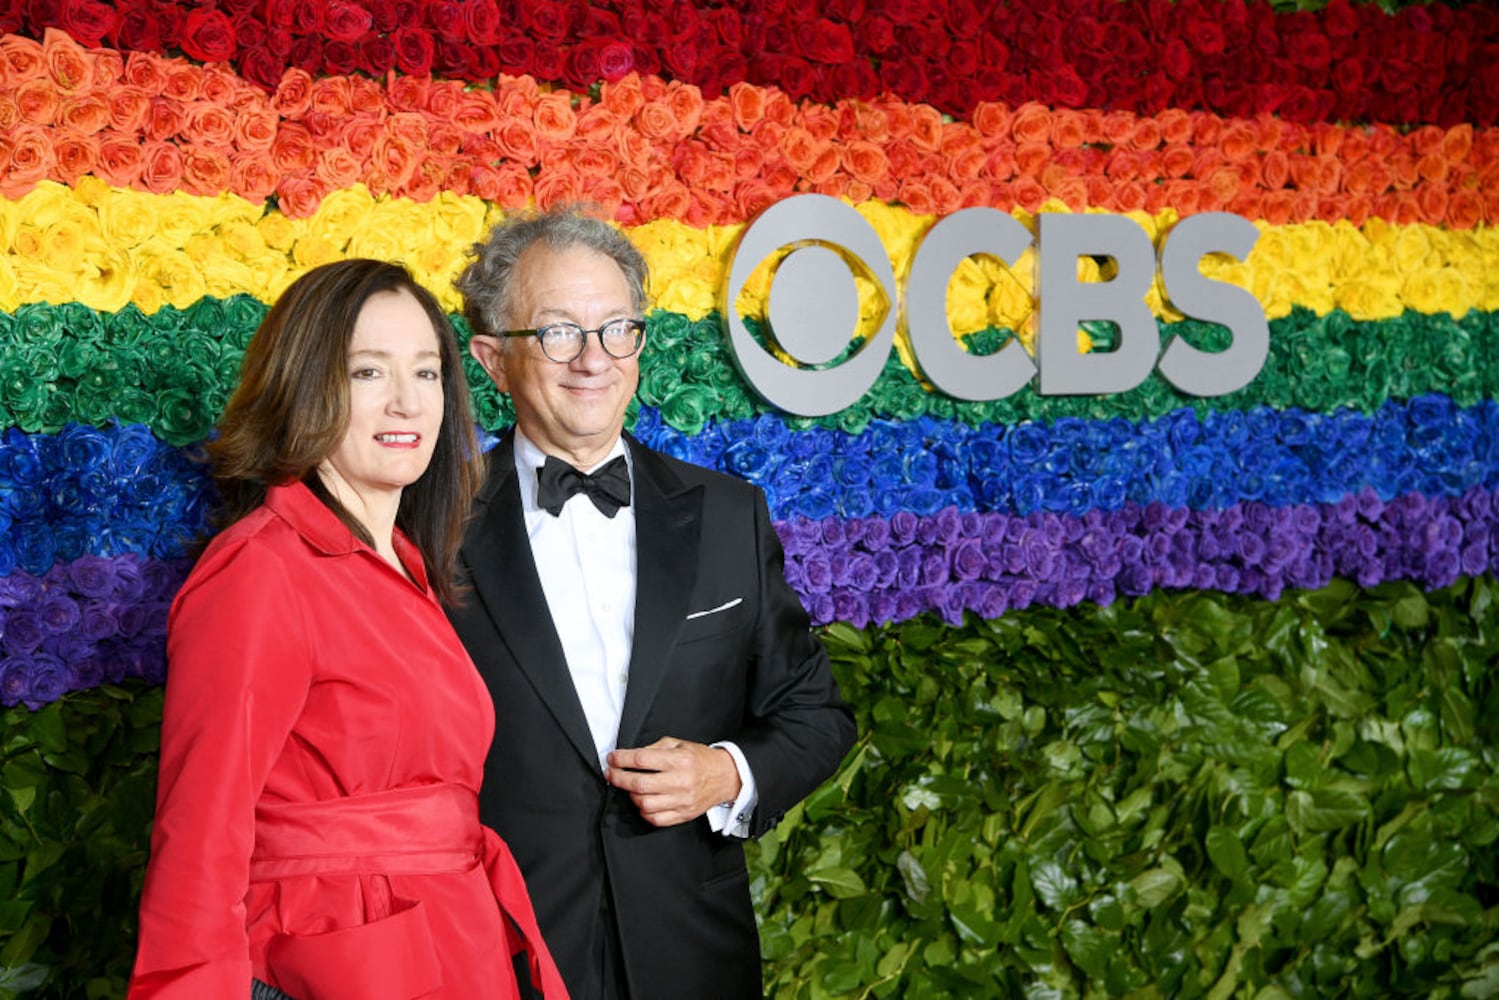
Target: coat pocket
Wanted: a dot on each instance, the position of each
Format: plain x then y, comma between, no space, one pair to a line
390,957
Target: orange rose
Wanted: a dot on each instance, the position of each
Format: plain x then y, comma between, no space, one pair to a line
1223,185
299,197
1031,124
768,134
366,95
1031,157
360,135
293,151
1354,144
999,165
221,86
779,107
1275,169
10,115
819,120
747,102
752,197
1118,126
251,175
605,192
749,162
333,94
915,195
443,139
966,164
592,161
720,135
507,184
205,171
1426,139
1433,167
622,97
83,113
556,187
1028,194
1068,129
926,127
121,159
165,120
857,191
518,142
162,169
1383,142
1360,178
38,101
1146,135
686,103
1100,191
596,126
459,178
425,182
1406,171
475,111
824,165
1155,199
1121,165
337,168
409,93
1276,207
865,160
1206,128
800,148
1327,139
255,128
1431,202
1457,143
1073,191
657,121
293,95
21,58
184,81
1130,196
632,147
210,125
144,70
76,154
67,61
409,128
1357,210
1176,125
781,176
555,119
991,119
31,156
1329,174
898,120
1184,196
635,183
392,163
1239,142
1464,210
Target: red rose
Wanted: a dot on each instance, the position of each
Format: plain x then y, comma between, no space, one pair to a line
208,36
307,54
516,54
583,63
446,17
413,51
616,60
547,63
824,41
376,54
386,16
137,30
347,22
877,35
482,22
260,65
86,21
549,20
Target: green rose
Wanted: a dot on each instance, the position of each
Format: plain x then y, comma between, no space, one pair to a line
243,315
183,415
689,407
129,328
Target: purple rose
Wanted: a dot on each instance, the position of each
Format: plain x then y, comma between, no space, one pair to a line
819,574
903,527
934,568
910,566
876,534
862,571
852,607
968,560
882,607
58,613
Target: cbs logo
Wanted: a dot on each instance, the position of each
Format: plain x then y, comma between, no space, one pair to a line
812,311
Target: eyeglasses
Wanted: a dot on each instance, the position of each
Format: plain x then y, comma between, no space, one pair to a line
565,342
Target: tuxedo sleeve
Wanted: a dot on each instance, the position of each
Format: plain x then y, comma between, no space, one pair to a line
797,728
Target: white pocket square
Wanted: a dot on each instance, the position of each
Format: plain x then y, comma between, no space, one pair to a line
713,611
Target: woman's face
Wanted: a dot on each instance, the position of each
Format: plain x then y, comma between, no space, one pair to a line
395,403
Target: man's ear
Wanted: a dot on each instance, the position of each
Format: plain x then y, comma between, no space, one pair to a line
490,354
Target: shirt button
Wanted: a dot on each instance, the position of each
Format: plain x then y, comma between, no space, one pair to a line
624,677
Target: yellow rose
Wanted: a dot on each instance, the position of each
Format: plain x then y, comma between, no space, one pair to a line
279,232
107,279
342,214
10,299
127,219
65,245
172,271
179,216
458,220
50,202
243,240
967,297
1374,297
313,250
27,242
1413,250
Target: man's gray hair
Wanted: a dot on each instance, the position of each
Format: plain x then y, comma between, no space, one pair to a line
485,283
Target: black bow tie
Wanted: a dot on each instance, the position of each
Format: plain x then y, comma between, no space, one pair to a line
608,488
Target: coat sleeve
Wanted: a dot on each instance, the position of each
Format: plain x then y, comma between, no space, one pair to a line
797,728
238,670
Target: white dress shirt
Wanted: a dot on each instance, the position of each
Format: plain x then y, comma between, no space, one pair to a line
586,563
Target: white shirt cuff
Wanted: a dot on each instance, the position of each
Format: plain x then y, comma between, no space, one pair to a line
732,818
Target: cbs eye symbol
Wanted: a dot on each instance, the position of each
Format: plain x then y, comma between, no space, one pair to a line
812,311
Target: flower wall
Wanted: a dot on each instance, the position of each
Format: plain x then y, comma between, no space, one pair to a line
166,169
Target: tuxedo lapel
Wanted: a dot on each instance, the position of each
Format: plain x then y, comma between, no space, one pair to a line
668,523
498,557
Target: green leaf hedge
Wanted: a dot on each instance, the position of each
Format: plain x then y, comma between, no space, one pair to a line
1184,795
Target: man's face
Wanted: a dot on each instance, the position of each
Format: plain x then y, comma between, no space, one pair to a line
574,410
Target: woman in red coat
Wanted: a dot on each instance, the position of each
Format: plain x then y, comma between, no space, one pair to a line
324,731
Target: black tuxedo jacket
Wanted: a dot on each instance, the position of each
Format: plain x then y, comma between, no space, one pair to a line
749,670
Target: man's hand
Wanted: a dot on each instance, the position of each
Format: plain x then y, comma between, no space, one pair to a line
673,781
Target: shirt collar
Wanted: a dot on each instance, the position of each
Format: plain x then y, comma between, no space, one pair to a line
309,517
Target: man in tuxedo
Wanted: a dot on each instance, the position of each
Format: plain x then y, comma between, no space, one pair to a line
658,693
